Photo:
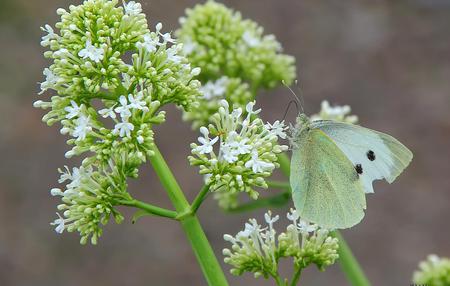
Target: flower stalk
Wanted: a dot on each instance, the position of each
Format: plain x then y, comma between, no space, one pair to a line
190,223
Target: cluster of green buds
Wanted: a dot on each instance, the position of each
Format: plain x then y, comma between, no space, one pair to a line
246,152
435,271
258,249
235,57
111,76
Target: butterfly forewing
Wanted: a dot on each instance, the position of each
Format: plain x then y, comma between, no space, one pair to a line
326,188
377,155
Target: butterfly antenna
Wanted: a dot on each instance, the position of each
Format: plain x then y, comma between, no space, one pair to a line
295,95
300,91
289,105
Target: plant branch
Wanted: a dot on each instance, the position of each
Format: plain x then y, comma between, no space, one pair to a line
151,209
279,185
199,198
296,277
190,223
276,201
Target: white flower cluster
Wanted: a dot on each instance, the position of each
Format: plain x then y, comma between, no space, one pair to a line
258,249
87,201
338,113
89,50
246,150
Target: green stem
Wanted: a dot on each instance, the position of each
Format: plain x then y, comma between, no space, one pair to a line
190,223
279,185
279,280
199,199
349,264
149,208
278,200
285,164
296,277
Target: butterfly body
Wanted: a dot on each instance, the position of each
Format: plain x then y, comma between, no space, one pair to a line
333,166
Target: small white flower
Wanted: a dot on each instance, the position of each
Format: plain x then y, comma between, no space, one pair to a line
167,38
172,55
123,129
137,101
91,52
249,108
75,178
292,215
150,43
50,35
228,153
207,143
238,147
82,127
250,39
132,8
60,224
65,175
50,80
277,128
339,113
252,228
73,111
107,112
257,165
305,227
269,219
140,139
124,108
214,89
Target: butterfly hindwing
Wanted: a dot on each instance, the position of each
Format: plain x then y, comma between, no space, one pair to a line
377,155
326,188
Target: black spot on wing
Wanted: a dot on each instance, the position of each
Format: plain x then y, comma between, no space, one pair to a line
370,155
359,169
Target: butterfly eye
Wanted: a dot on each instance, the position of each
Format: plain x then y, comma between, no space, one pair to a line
370,155
359,169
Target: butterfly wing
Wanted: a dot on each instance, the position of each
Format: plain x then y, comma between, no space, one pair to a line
326,188
379,156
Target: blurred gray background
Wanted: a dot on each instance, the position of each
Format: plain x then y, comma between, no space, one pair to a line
389,60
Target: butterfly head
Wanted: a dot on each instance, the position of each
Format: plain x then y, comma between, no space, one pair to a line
302,124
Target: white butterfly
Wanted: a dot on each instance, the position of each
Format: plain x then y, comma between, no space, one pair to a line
334,164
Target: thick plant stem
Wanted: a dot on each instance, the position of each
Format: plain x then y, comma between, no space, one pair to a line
349,264
190,223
